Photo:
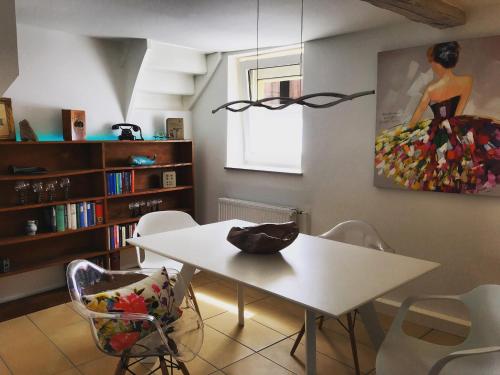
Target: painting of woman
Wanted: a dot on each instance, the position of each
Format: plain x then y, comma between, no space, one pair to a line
452,151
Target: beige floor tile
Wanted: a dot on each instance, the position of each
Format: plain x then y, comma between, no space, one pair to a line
280,315
76,342
20,337
3,368
203,278
71,371
252,292
216,298
107,365
410,328
280,353
338,347
57,317
197,366
255,364
254,335
220,350
443,338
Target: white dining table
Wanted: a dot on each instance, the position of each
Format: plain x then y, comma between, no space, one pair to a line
323,276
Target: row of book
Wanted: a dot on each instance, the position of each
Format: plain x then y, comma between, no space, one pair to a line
118,235
73,216
120,182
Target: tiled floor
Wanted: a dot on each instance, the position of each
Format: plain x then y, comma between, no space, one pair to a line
58,340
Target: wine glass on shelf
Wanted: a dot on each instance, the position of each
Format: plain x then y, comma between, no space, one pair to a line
21,187
39,190
50,187
64,184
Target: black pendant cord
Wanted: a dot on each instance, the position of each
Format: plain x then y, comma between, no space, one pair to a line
302,47
243,105
257,72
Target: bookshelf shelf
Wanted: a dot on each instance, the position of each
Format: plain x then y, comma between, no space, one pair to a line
156,166
42,236
52,262
149,191
86,164
53,174
49,204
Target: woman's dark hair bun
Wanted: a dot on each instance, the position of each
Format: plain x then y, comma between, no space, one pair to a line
446,54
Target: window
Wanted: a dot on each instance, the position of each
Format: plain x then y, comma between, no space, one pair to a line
258,138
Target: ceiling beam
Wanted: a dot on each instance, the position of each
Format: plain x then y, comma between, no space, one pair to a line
436,13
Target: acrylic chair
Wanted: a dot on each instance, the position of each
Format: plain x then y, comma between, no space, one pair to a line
354,232
173,342
478,354
157,222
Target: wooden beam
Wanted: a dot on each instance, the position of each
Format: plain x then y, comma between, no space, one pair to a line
436,13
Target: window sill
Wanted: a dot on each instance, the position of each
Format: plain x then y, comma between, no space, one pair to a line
253,168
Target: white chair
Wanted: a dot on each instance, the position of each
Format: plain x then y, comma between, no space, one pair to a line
478,354
354,232
157,222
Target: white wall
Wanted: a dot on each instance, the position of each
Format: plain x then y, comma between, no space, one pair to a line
59,70
461,232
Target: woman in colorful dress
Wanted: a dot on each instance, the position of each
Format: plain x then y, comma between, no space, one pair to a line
452,152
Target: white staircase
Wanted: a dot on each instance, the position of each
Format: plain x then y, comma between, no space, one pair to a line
9,66
165,76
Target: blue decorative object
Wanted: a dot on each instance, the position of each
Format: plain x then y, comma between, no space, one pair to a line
141,160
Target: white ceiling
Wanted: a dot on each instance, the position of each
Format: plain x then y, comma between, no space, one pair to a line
209,25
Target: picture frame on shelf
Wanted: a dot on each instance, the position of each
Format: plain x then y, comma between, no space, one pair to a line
7,128
169,179
175,128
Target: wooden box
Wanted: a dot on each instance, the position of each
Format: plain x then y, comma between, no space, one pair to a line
74,125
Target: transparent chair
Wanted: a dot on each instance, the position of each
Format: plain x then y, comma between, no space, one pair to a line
478,354
174,338
354,232
157,222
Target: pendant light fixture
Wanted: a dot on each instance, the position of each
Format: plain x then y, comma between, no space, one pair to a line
284,102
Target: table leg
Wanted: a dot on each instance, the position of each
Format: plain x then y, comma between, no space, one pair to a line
180,290
241,304
372,324
310,324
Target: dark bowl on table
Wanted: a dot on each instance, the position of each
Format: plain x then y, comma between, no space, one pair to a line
263,238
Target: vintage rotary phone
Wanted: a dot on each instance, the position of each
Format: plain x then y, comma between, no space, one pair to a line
127,132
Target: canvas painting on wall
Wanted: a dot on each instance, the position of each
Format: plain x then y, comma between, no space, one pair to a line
438,118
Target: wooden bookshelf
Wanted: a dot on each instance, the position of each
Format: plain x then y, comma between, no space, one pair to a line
86,164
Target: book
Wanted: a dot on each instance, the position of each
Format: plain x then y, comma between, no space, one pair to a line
123,237
72,210
60,218
88,212
66,216
81,215
99,213
132,182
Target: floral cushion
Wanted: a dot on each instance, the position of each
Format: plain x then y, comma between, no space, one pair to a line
152,295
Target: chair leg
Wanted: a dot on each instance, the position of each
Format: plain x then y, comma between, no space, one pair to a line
352,337
321,321
163,366
121,367
183,368
297,340
193,298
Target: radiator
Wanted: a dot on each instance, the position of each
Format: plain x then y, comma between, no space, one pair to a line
255,212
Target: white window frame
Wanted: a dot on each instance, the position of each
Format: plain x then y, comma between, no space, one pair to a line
238,123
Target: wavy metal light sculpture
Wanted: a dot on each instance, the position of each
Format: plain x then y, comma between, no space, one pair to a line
286,101
289,101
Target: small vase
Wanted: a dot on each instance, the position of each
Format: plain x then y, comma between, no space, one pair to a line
31,227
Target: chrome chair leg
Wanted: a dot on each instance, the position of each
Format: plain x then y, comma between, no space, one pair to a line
352,337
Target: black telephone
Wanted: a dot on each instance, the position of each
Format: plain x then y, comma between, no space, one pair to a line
126,134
